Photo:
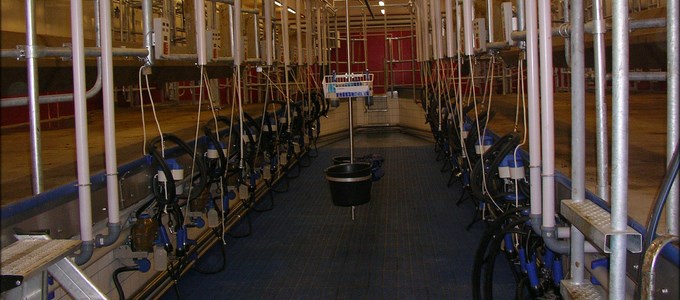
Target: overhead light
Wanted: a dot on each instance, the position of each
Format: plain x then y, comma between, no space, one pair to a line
277,3
291,10
382,11
381,3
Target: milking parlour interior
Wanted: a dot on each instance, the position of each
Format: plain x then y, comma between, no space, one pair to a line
340,149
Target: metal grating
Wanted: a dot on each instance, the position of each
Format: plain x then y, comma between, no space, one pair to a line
25,257
586,290
595,223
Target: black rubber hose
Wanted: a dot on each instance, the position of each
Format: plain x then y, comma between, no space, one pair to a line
495,249
223,263
116,281
486,238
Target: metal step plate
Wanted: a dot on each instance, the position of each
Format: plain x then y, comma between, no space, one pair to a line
585,290
595,223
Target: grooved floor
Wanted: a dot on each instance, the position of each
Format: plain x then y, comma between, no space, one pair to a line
408,242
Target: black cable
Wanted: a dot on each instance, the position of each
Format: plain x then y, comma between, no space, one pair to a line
483,247
271,206
223,253
249,222
116,281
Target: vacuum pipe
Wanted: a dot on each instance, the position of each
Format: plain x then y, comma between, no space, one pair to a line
547,117
110,154
534,110
437,28
489,20
619,209
450,31
199,26
82,151
468,15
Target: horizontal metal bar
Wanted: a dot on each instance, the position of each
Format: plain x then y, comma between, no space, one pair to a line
561,30
498,45
66,52
644,76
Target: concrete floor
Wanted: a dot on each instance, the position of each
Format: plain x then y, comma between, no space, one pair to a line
647,144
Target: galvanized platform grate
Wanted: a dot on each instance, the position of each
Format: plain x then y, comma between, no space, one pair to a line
595,223
25,257
586,290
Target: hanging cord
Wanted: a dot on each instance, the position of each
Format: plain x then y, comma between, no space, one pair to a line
481,134
520,81
193,156
490,78
153,108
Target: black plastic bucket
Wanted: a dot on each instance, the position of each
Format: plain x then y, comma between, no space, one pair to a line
376,161
350,183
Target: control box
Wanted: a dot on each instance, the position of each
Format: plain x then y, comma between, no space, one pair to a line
161,37
213,43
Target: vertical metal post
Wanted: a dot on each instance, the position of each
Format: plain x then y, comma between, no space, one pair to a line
566,19
364,28
147,25
534,108
673,90
286,58
388,50
619,209
489,19
318,34
601,124
578,133
351,121
237,51
413,55
309,24
33,95
268,31
256,35
230,13
298,32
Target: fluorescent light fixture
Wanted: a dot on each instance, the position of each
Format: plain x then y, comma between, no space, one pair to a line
381,3
291,10
382,11
277,3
